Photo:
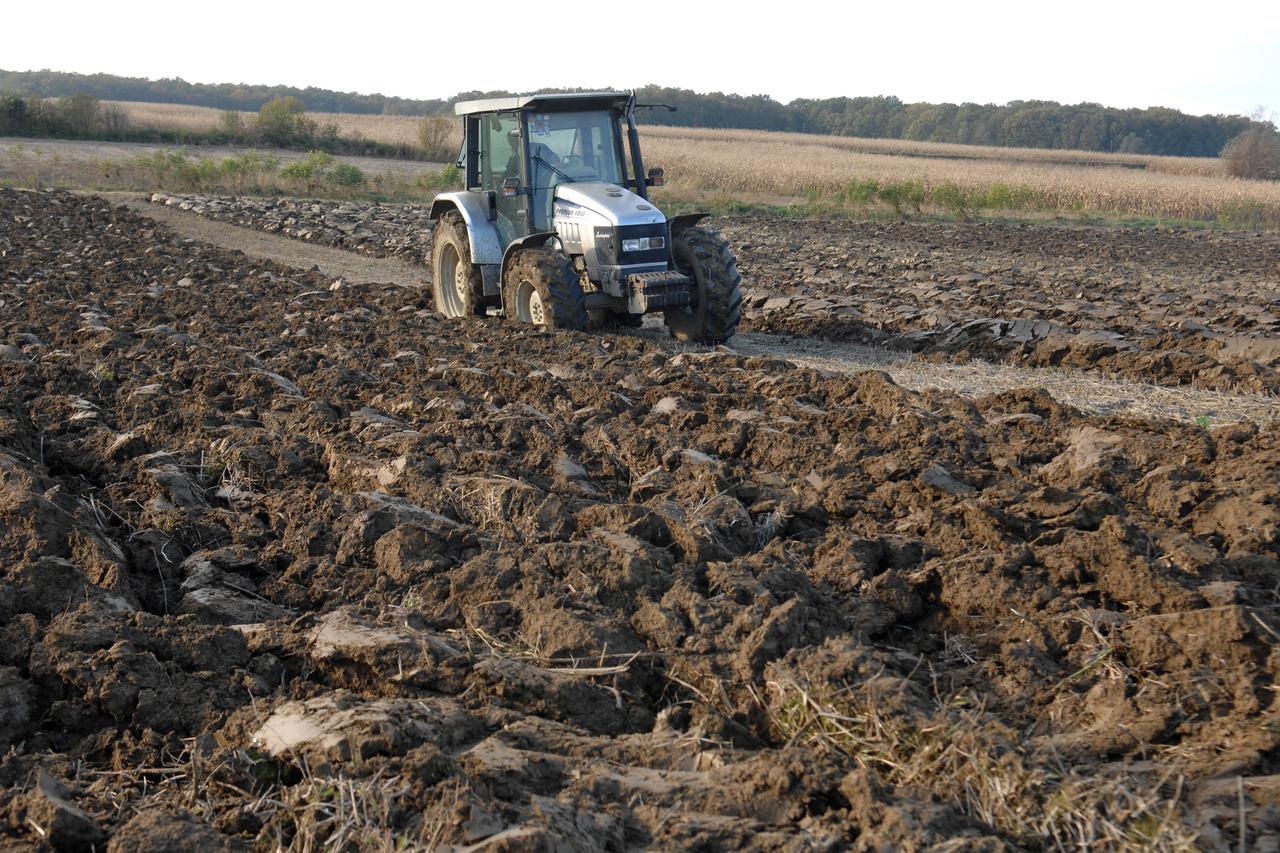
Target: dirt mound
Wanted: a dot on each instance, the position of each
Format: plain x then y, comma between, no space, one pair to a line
288,565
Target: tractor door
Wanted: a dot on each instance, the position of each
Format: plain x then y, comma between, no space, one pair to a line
502,157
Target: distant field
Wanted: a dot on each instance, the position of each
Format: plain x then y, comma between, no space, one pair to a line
833,169
841,174
402,130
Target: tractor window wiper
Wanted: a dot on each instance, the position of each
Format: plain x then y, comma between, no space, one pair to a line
538,158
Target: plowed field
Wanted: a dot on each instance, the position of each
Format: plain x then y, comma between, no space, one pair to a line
289,562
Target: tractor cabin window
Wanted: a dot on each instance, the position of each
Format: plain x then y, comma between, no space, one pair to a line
566,147
499,149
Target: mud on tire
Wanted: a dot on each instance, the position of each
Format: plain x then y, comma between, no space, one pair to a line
456,284
543,288
716,306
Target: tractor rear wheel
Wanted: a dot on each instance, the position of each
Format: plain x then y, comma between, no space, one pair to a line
543,288
455,282
715,303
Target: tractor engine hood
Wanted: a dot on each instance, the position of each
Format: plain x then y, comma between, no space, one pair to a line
618,205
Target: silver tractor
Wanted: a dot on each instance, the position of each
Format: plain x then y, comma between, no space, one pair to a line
555,226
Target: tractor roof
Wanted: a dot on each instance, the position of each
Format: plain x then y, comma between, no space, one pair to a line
551,101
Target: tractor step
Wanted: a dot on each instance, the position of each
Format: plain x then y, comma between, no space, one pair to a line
657,291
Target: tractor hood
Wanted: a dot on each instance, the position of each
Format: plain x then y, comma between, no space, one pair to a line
616,204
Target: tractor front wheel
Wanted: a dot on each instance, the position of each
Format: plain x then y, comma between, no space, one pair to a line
715,304
543,288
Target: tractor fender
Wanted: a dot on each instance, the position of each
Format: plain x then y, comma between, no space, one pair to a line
676,224
482,234
533,240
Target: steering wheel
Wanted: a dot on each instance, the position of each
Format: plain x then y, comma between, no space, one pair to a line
573,161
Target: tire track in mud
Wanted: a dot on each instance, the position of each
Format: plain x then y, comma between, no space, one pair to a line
1086,391
338,263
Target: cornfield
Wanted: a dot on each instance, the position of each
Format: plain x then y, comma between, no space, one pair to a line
401,130
768,164
911,148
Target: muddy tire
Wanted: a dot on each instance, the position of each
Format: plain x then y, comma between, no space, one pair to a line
456,284
543,288
716,301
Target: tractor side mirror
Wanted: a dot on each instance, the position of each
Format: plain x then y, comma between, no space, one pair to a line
655,178
510,186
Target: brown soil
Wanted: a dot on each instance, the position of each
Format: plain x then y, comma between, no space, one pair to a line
288,566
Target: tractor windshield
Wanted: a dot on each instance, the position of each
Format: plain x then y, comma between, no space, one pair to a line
573,146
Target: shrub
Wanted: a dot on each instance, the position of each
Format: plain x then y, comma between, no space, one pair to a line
1254,154
435,135
78,114
247,171
13,114
324,137
951,196
345,175
232,125
321,169
310,169
861,191
113,121
281,121
175,170
1000,196
900,194
448,178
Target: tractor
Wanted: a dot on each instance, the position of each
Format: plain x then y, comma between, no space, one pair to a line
556,228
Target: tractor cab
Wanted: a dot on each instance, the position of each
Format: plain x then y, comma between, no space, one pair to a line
518,151
558,226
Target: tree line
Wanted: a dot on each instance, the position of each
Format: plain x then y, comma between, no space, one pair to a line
280,123
1029,124
1022,124
225,96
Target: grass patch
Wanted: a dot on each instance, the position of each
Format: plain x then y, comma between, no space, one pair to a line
319,175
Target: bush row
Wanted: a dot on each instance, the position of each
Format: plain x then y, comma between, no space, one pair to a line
281,123
319,174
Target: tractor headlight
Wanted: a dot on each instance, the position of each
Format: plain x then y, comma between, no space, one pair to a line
643,244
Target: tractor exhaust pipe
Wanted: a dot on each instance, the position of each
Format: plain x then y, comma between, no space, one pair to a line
633,138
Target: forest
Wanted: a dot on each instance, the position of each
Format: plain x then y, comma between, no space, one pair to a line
1030,124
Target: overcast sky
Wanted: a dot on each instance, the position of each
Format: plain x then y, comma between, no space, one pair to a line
1221,57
